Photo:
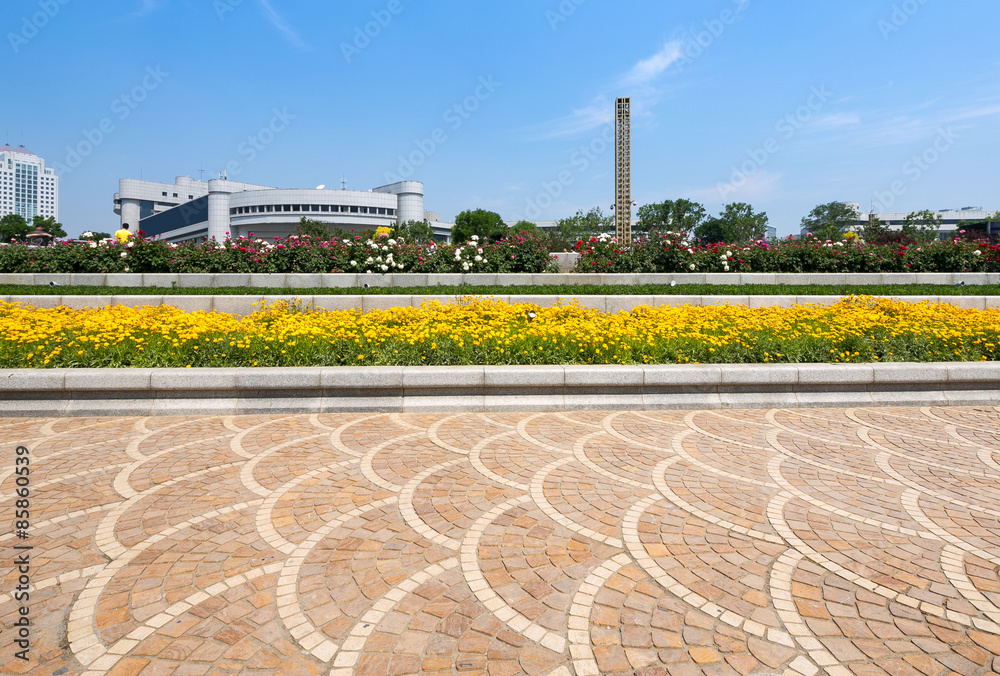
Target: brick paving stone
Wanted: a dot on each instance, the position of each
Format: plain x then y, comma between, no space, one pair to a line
718,543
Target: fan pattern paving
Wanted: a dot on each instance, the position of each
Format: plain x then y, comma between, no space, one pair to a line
848,542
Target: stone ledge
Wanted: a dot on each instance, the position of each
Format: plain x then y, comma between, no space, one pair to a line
352,280
115,392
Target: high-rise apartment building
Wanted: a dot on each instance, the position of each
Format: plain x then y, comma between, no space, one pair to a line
27,187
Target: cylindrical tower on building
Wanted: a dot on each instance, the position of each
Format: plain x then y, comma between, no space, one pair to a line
130,214
218,210
411,202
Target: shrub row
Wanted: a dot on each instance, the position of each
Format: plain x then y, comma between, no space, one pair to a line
674,253
524,253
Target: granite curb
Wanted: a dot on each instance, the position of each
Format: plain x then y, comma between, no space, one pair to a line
354,280
236,391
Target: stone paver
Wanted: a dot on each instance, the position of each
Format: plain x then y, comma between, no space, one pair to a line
848,542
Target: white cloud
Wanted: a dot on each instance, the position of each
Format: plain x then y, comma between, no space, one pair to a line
279,22
649,69
600,112
838,120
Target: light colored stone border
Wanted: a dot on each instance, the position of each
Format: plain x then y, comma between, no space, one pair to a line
401,280
117,392
244,305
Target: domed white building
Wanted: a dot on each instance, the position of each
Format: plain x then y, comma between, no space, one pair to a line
197,210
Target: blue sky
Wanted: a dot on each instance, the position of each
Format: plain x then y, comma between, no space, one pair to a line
507,106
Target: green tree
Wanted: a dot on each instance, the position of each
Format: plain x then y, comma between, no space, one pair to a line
488,225
415,231
830,221
677,215
923,226
525,226
741,224
49,225
710,231
873,229
13,226
317,229
584,225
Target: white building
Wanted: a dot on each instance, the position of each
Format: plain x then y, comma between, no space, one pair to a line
220,208
27,187
951,219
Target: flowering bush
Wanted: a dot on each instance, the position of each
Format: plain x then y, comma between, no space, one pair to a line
675,252
521,253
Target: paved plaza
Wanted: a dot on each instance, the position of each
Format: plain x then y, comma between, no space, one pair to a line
846,542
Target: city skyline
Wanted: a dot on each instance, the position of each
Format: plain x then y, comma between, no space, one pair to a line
890,104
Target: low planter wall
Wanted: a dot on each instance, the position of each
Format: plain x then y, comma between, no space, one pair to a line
127,392
244,304
350,280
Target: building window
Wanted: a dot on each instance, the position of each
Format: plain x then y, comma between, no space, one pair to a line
175,194
354,210
164,194
326,207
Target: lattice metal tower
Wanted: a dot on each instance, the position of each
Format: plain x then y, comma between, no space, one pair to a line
623,170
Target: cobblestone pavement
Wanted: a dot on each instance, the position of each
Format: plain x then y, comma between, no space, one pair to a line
837,541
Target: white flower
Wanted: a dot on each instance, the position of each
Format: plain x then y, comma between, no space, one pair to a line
130,244
384,268
691,267
842,244
977,253
400,266
479,250
378,259
465,266
726,268
390,242
385,248
354,264
93,245
729,253
479,259
725,258
124,254
370,260
485,261
691,251
348,243
475,238
87,234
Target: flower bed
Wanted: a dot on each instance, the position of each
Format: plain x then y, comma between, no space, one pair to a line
525,254
673,252
478,331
